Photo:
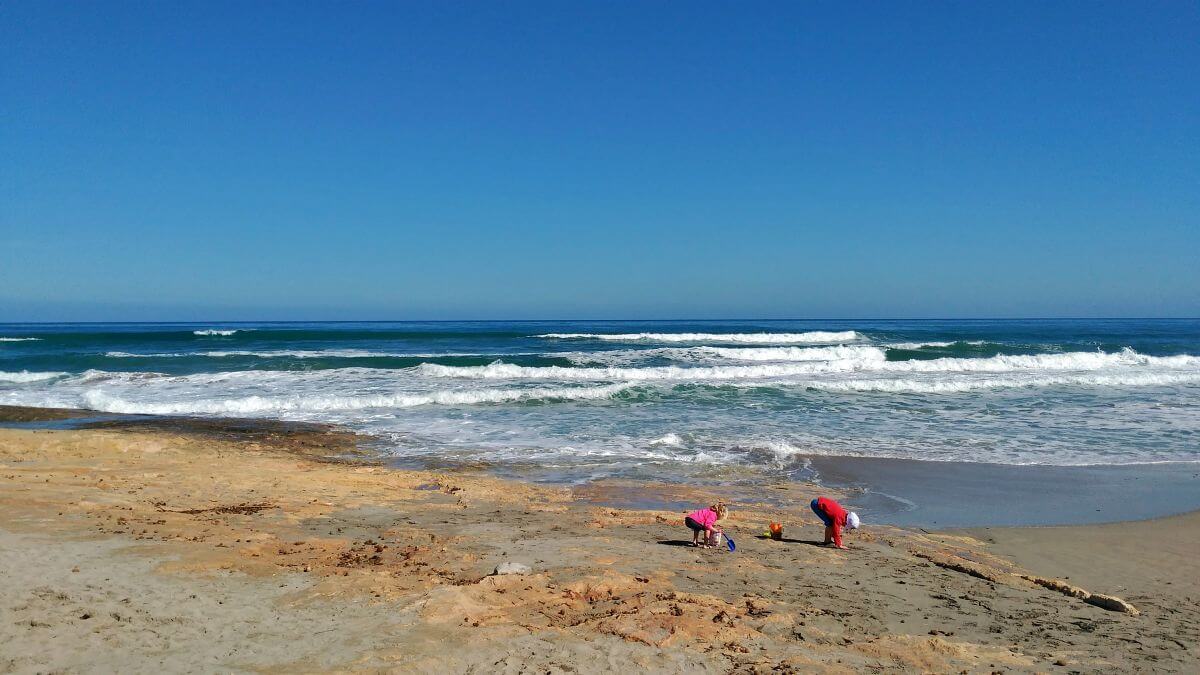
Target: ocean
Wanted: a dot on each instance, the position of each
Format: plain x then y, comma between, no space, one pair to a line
723,400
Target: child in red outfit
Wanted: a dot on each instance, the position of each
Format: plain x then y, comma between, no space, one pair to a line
835,518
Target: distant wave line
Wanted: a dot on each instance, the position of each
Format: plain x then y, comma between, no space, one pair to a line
869,361
308,354
754,338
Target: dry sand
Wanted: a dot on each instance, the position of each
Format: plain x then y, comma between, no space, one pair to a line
185,550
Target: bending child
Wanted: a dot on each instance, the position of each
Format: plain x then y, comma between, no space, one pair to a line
705,520
835,518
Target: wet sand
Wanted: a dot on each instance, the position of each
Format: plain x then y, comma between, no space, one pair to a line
181,548
970,494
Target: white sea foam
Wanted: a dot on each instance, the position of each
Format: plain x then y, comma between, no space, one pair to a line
283,379
91,376
795,353
308,354
671,440
215,331
26,376
508,371
1065,361
955,386
783,450
784,453
627,357
20,339
301,354
98,399
922,345
716,355
817,337
869,360
258,392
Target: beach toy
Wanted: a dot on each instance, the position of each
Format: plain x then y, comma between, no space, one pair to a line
776,531
729,542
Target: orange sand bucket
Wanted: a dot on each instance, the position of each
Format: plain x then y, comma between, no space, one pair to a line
776,531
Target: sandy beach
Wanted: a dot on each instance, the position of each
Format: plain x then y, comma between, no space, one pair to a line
195,546
1145,562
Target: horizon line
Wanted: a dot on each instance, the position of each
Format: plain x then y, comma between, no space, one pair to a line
625,320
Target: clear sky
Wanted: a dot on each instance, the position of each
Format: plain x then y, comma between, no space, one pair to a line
308,160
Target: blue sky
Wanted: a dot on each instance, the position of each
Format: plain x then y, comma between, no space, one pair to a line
177,161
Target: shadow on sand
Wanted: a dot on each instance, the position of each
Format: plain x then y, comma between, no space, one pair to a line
785,540
675,542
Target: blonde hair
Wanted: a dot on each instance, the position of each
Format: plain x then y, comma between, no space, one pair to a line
720,509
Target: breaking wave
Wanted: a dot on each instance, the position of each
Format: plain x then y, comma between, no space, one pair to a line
1068,361
868,360
728,338
298,354
215,331
20,339
508,371
924,345
704,354
795,353
26,376
931,386
255,405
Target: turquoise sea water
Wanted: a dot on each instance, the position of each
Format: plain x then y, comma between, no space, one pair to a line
579,400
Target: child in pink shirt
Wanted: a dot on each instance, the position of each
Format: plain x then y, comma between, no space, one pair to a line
705,520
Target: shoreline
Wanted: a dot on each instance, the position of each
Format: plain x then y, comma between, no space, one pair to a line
150,550
918,493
